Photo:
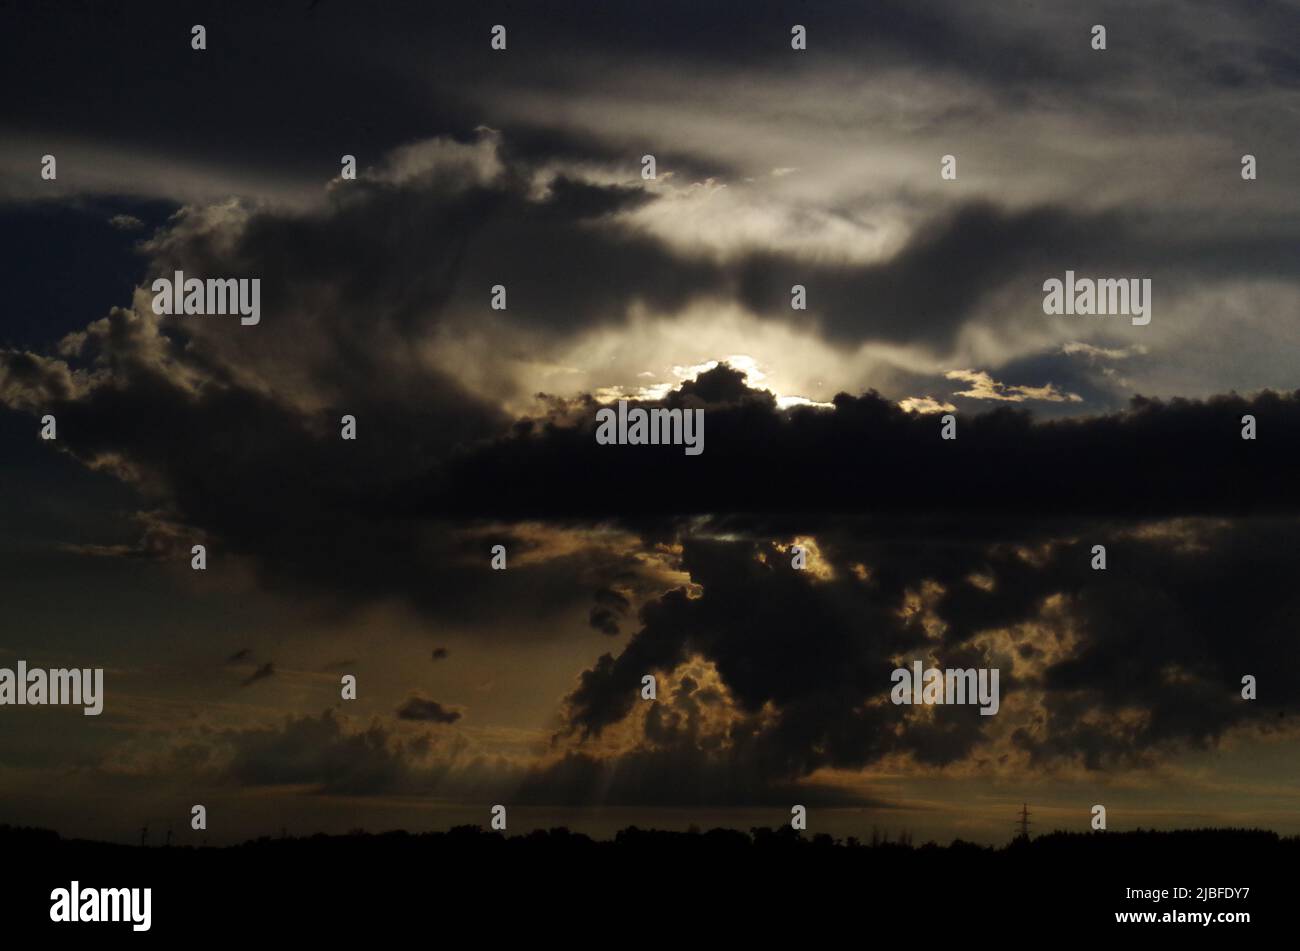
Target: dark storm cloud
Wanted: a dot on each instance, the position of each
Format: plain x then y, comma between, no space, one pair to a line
407,252
1182,457
682,762
416,250
1159,635
1167,632
977,249
980,248
235,461
1013,500
354,288
261,66
1172,630
421,708
569,268
604,620
815,652
233,435
419,60
610,608
242,448
264,64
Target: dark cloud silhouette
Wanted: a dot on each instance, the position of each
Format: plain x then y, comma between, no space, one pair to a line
610,608
475,173
1007,482
1014,503
983,249
1036,51
979,248
1156,635
235,469
604,620
420,708
1154,459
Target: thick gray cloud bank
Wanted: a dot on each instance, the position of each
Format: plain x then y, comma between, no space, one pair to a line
776,168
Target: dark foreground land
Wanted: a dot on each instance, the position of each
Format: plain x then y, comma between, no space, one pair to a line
471,886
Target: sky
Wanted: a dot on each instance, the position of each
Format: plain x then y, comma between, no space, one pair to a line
773,167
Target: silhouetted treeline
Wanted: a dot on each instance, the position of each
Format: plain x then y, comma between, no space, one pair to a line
724,881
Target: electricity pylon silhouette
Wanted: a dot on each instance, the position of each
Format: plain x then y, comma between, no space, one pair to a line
1024,822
